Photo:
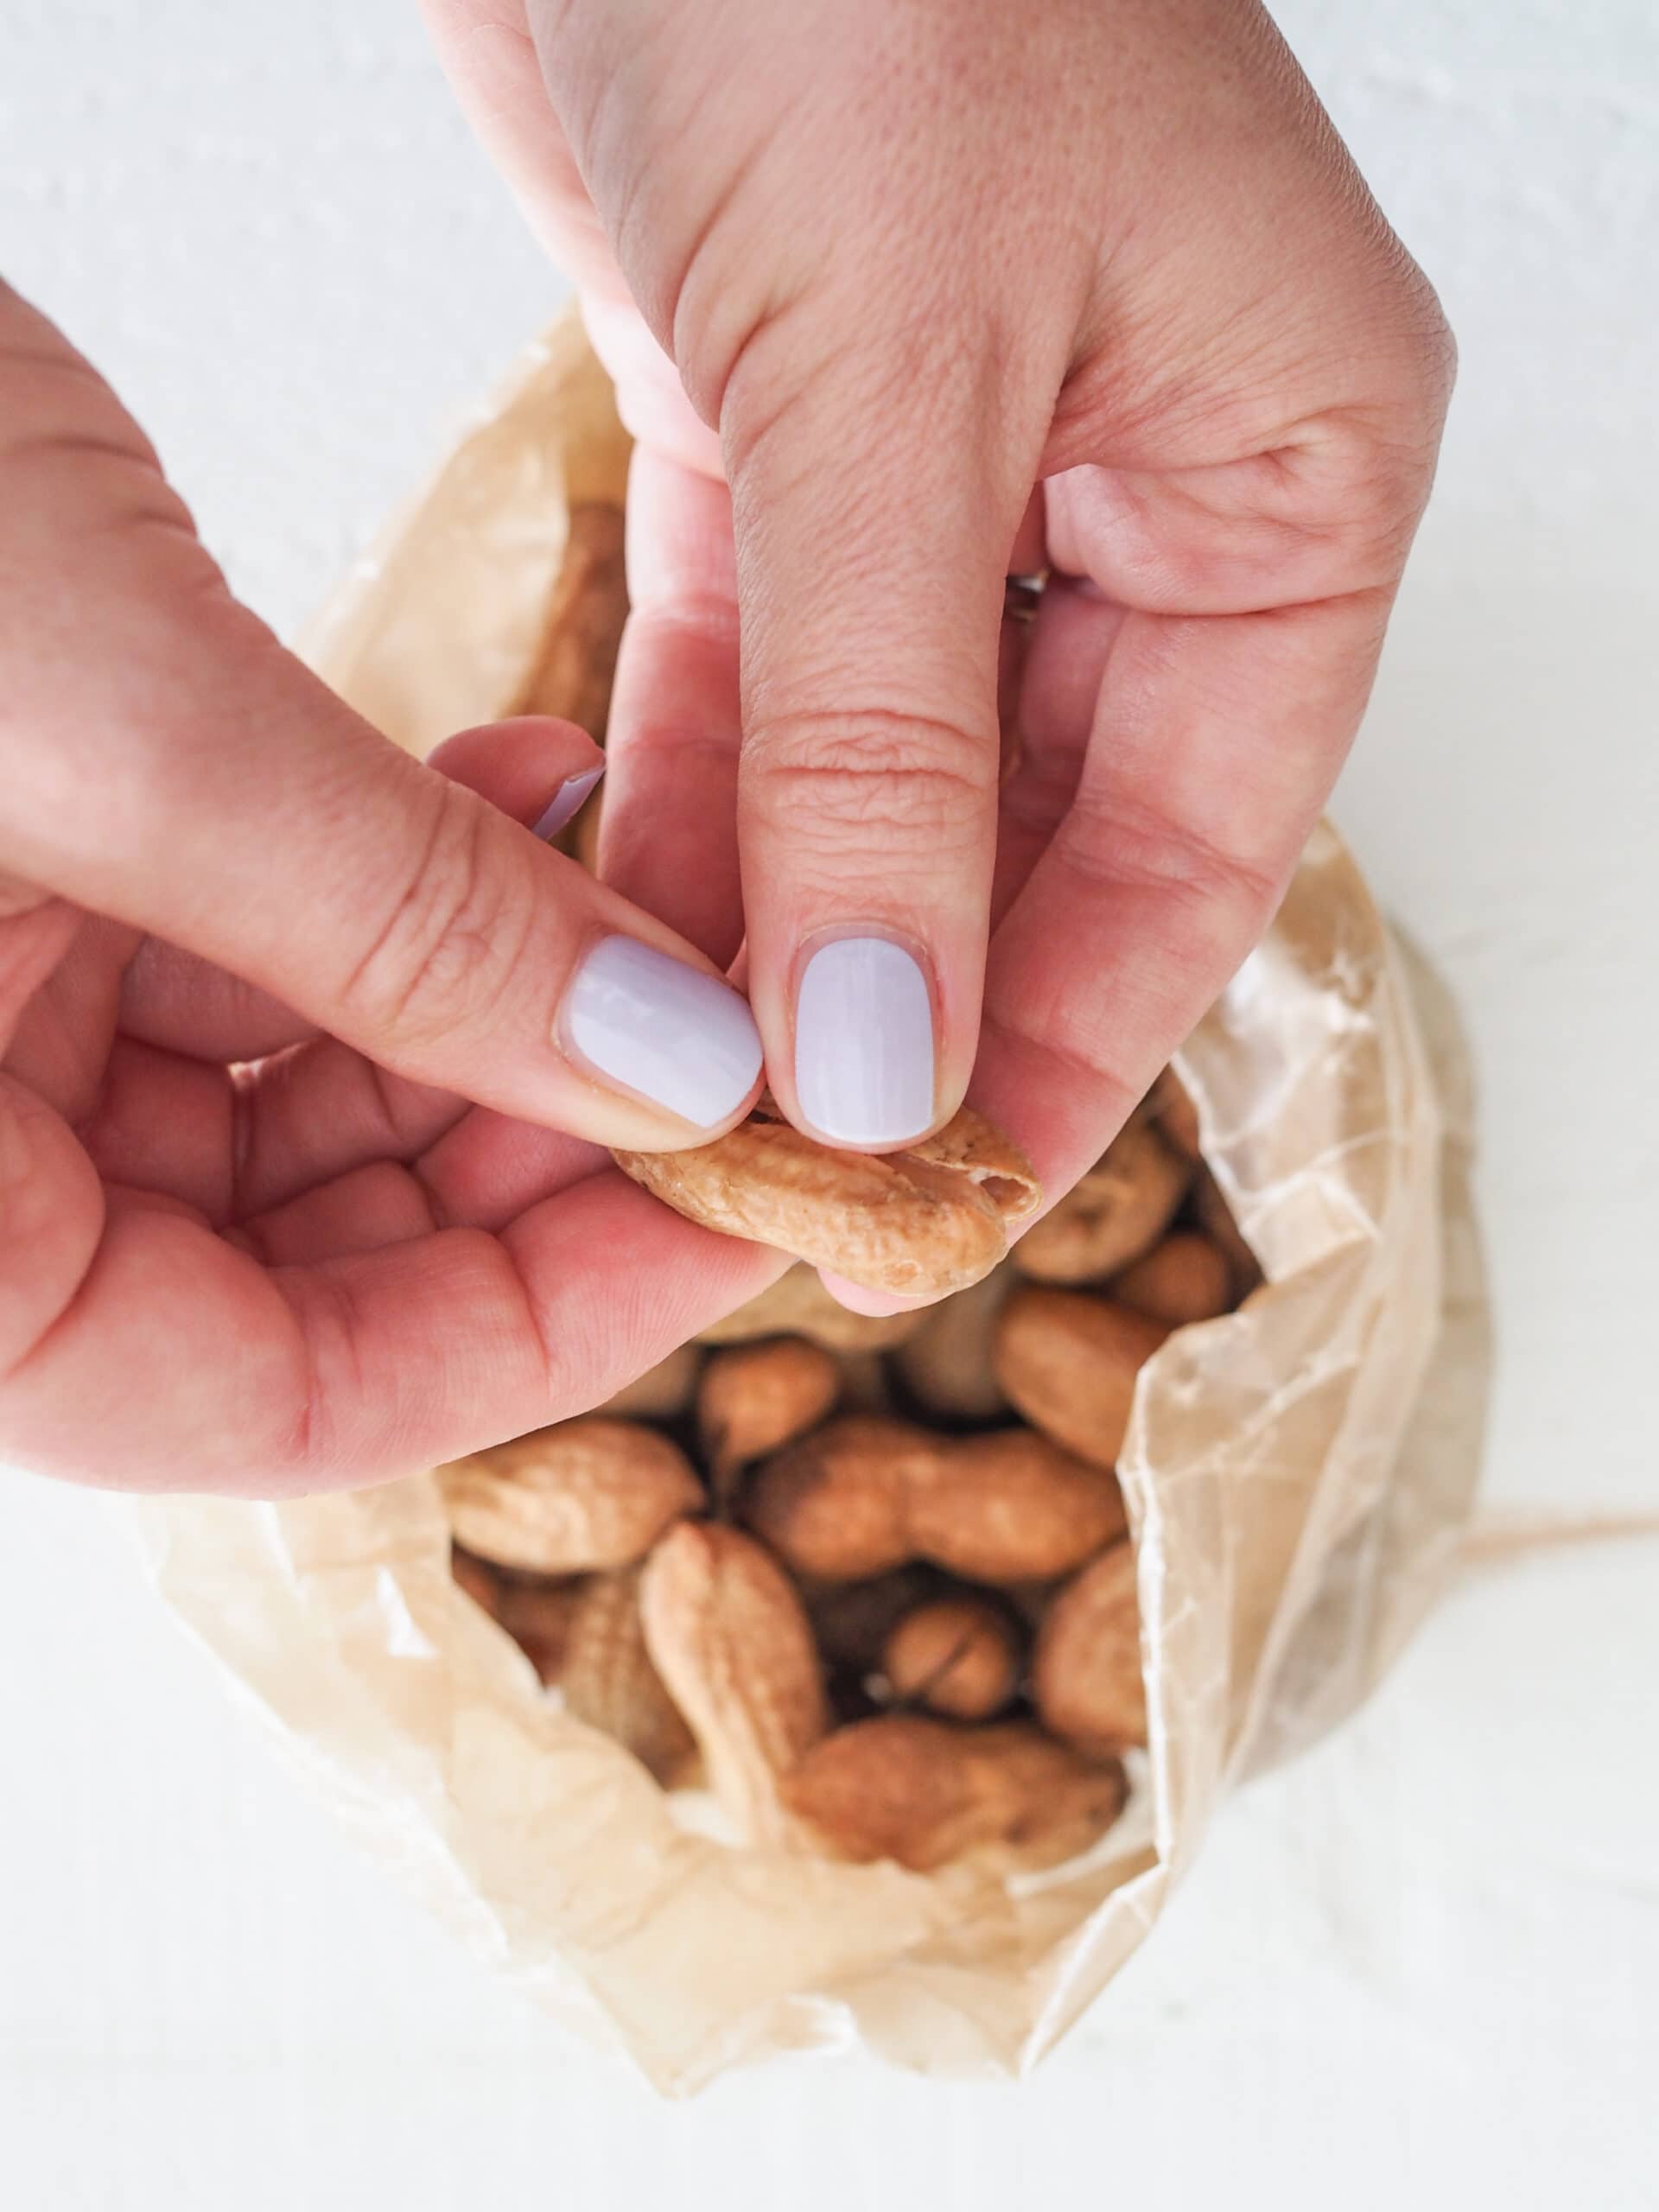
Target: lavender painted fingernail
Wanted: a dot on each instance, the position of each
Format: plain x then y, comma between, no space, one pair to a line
567,802
864,1042
667,1032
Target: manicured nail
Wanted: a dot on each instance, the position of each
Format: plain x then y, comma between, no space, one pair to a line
668,1032
567,802
864,1042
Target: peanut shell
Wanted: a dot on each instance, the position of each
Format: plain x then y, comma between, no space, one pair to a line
946,1364
957,1656
1069,1360
862,1494
607,1679
1116,1212
923,1792
1012,1506
728,1635
929,1219
835,1507
1184,1279
1086,1673
581,1496
753,1399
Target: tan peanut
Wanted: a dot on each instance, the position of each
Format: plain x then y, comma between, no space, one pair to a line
958,1656
1184,1279
946,1365
586,613
662,1392
931,1219
1086,1675
753,1399
923,1792
607,1677
862,1494
797,1305
1069,1360
1116,1212
583,1495
1215,1219
728,1633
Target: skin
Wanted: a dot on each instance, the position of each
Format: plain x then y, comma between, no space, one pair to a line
900,299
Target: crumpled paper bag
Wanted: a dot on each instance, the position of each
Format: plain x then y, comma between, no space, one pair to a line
1298,1473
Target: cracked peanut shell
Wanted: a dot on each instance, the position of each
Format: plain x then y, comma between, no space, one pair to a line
918,1223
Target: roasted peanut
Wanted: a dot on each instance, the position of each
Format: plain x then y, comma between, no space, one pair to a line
1069,1362
923,1792
1116,1212
753,1399
606,1676
1086,1675
1186,1278
958,1656
661,1393
728,1633
862,1494
583,1495
933,1218
946,1364
797,1305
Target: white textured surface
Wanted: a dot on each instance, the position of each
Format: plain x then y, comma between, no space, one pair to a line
1421,1968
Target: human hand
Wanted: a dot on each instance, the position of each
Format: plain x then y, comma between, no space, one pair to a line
956,291
255,963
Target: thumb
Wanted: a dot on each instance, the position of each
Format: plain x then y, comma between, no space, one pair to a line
876,492
166,762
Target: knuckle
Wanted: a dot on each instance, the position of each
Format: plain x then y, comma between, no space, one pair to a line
443,947
839,777
1123,847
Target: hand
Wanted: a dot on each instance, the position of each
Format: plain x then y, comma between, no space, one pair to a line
942,292
254,964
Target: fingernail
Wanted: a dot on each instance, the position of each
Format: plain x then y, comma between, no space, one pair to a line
668,1032
567,802
864,1042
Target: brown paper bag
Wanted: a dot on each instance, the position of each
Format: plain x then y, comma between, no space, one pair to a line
1297,1473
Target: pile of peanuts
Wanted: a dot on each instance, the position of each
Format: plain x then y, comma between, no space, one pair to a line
870,1580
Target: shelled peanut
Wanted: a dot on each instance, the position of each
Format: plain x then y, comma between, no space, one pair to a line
871,1580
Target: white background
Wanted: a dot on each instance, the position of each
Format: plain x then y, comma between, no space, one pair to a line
1422,1966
